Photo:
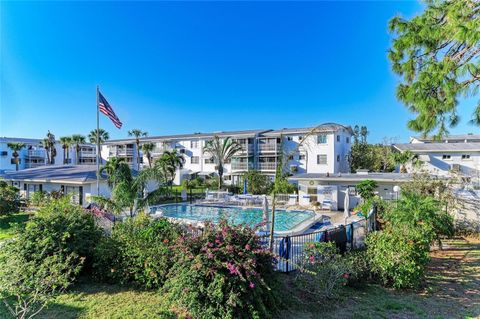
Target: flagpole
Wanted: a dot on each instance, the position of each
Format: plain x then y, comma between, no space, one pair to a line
98,148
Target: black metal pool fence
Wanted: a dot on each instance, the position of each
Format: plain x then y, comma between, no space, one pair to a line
289,249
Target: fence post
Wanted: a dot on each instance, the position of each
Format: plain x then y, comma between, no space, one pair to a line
287,242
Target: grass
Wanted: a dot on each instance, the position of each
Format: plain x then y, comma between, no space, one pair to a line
7,224
451,290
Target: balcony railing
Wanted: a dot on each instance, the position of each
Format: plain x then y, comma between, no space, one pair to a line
36,153
246,148
124,152
267,166
88,153
241,166
268,147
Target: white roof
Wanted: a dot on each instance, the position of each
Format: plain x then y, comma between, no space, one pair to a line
438,147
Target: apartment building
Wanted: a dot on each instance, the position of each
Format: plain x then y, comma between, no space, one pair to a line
458,153
34,154
323,150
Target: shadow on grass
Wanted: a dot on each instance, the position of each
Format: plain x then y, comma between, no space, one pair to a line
452,290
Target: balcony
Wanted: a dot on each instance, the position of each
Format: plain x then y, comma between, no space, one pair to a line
242,166
246,149
88,153
267,166
268,147
124,152
36,153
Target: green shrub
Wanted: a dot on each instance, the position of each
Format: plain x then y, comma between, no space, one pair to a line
139,252
323,271
59,228
225,273
27,285
257,183
398,255
414,209
9,199
366,189
358,267
39,198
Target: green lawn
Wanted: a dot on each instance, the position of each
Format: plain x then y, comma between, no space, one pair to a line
452,290
7,224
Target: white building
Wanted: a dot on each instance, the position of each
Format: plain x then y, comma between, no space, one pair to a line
34,155
457,153
324,151
77,180
331,188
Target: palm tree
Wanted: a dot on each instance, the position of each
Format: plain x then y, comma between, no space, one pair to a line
49,145
147,149
66,141
77,140
221,151
167,165
402,158
128,191
103,136
116,170
46,146
16,147
137,133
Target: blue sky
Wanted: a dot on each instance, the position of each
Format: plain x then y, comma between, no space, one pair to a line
182,67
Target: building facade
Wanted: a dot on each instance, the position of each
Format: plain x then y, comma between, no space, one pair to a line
455,153
33,154
323,149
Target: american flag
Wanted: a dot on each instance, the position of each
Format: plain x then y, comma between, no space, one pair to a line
106,109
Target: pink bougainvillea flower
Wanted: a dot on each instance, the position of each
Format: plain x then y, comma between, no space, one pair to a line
252,285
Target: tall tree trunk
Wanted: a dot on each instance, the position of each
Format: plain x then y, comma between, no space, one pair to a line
138,155
16,162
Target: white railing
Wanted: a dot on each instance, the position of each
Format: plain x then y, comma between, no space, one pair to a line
88,153
36,153
268,147
241,166
267,166
125,152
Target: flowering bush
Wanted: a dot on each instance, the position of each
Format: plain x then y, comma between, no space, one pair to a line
224,273
139,251
323,271
398,255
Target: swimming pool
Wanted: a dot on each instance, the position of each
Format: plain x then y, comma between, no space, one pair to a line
284,220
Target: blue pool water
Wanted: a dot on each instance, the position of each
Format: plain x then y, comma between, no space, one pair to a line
284,220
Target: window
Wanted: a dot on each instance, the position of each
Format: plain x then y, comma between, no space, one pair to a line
446,157
321,139
338,158
300,138
347,140
338,138
193,144
302,157
290,157
209,160
289,138
194,160
465,156
322,159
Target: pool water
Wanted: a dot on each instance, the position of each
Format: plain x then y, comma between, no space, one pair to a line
284,220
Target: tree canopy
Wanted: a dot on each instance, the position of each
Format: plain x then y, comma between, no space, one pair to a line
436,54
